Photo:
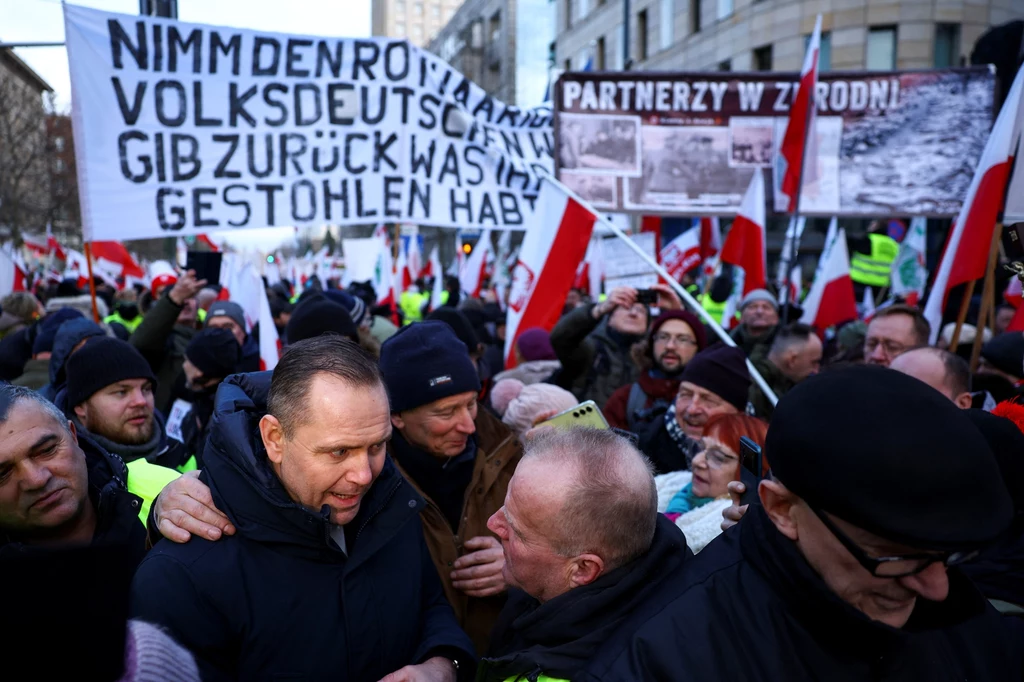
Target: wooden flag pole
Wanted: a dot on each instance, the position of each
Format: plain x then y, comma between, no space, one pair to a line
962,315
987,296
92,282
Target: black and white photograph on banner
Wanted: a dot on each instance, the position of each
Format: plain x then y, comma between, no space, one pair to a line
680,164
600,144
599,190
751,142
821,186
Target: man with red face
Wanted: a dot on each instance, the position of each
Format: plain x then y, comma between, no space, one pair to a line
324,573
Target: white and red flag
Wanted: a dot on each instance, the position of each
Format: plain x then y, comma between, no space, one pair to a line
117,258
831,299
745,244
434,265
474,269
53,246
547,263
966,255
683,253
12,274
37,245
710,238
798,145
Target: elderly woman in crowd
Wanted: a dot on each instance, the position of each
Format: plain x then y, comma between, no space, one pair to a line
535,358
520,405
694,499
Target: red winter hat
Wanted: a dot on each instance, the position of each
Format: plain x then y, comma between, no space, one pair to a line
699,332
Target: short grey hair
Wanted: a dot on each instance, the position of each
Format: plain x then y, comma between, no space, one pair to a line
11,395
611,507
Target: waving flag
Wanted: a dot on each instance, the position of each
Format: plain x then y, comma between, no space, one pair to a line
745,244
474,269
118,257
909,274
434,265
547,263
798,145
966,256
12,274
683,253
831,299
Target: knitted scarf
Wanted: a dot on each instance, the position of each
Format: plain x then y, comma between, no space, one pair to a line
688,446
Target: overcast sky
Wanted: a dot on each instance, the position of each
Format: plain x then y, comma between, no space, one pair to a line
43,21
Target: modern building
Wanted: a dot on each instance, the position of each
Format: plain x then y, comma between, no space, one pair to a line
504,46
24,159
417,20
770,35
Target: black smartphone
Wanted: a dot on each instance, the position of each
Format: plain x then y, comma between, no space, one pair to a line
751,469
646,296
206,264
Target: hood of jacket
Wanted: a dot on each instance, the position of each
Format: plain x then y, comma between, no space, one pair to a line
70,334
82,304
117,510
559,637
245,487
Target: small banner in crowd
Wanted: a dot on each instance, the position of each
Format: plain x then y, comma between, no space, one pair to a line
184,128
688,143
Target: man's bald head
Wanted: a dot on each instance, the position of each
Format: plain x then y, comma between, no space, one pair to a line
946,372
609,499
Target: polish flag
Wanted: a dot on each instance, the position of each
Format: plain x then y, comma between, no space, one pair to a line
547,263
798,145
1014,293
831,299
796,283
460,257
53,246
244,286
37,245
745,244
434,265
270,340
474,270
683,253
12,274
413,262
966,255
116,253
710,238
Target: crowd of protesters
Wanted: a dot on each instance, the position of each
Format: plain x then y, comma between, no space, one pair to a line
388,504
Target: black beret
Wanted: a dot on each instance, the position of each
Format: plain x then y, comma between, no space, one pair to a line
891,455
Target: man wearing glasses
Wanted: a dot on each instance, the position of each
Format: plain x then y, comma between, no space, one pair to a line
892,332
848,568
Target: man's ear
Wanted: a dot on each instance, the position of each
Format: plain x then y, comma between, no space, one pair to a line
585,569
73,431
273,438
779,503
80,413
963,401
397,421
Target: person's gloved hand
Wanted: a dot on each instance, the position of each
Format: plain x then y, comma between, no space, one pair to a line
185,506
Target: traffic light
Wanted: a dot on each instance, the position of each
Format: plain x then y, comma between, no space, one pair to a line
467,248
270,258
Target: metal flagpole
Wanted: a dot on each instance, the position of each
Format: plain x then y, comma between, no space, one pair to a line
683,293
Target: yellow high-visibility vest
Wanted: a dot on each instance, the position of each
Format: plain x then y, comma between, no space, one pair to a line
874,269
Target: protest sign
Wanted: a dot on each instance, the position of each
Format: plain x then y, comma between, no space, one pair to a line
688,143
184,128
623,267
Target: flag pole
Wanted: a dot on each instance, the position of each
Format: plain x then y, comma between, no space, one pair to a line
987,296
683,293
92,282
962,315
794,245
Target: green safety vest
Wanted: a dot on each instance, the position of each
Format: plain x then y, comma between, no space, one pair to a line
130,325
541,678
874,269
715,310
201,316
146,480
412,304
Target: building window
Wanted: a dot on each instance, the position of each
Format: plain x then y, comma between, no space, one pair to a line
417,9
881,54
725,65
825,54
435,11
58,144
600,50
495,27
400,29
417,31
668,11
947,46
568,65
763,58
58,165
476,35
641,35
584,8
695,21
724,8
399,6
569,6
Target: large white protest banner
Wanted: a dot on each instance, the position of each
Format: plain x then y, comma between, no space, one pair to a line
184,128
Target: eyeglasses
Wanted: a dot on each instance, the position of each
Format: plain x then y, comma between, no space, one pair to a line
664,337
718,459
891,348
893,566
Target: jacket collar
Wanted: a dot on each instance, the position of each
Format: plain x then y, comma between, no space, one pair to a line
245,487
837,624
659,389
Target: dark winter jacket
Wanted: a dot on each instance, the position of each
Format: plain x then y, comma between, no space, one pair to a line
559,637
278,600
162,342
70,334
777,381
751,344
250,361
15,351
36,374
755,610
117,510
999,571
664,452
659,393
595,360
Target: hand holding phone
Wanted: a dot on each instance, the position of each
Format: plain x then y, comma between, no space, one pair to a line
751,469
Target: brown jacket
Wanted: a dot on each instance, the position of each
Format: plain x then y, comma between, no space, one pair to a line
498,453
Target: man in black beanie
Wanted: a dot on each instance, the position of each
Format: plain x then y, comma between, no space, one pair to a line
110,396
459,457
715,382
210,357
315,315
847,570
